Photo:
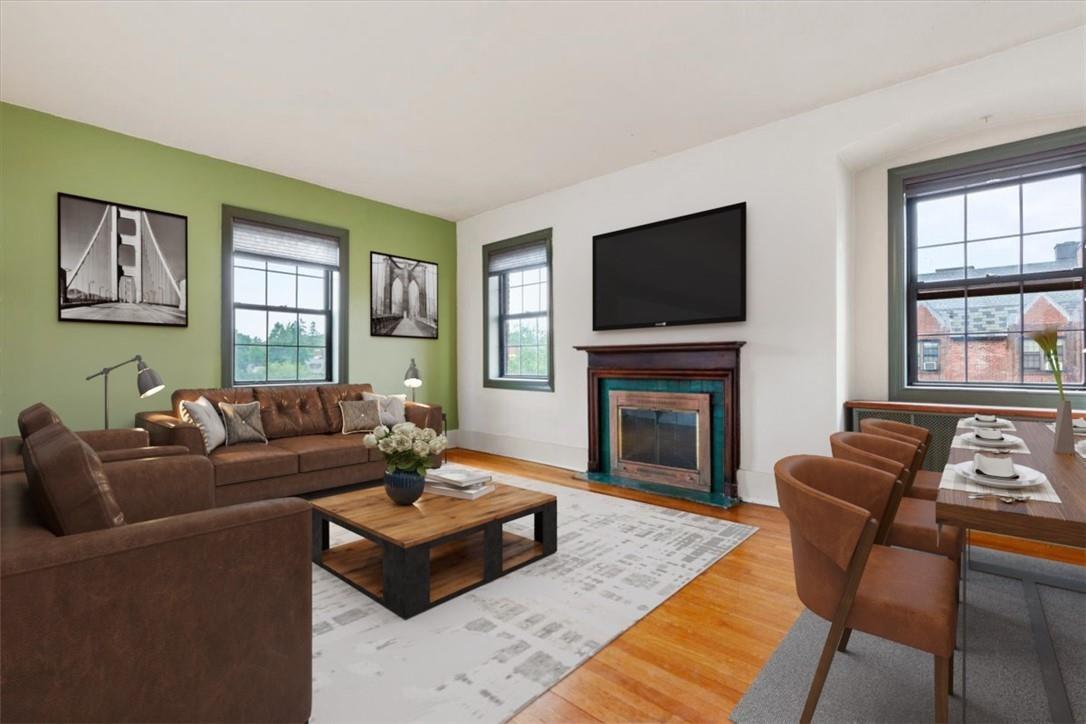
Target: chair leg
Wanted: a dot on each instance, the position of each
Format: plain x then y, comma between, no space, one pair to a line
844,640
821,671
942,680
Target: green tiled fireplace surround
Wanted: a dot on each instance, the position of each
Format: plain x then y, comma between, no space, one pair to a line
715,390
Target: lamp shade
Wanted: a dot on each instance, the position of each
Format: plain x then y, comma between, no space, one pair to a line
412,378
147,380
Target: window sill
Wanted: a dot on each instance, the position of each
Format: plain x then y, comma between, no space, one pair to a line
508,383
990,396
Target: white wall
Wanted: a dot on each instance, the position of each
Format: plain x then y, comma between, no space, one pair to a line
804,225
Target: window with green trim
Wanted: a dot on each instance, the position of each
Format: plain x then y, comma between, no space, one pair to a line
517,308
994,254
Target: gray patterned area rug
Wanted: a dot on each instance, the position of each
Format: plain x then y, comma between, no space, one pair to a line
489,653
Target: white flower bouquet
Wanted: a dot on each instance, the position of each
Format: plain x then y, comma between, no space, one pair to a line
406,446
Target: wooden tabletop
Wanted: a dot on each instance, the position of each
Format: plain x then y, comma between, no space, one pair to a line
432,517
1063,522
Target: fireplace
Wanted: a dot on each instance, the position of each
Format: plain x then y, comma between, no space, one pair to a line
665,419
661,437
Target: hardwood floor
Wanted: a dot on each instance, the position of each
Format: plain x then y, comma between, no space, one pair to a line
693,657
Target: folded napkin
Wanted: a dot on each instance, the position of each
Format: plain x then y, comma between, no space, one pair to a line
1078,423
989,433
984,418
993,467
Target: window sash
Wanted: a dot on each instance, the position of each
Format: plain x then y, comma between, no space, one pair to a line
1020,283
324,311
504,315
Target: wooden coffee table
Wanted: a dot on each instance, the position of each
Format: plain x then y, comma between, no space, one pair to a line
413,557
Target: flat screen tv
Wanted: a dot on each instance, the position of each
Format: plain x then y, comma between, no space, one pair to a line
686,270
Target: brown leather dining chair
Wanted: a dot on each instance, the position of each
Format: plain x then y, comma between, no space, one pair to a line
897,594
925,483
909,522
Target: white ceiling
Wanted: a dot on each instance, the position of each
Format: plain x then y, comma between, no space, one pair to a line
454,108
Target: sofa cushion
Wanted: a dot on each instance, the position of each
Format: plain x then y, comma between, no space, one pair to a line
251,461
332,395
321,452
291,411
34,418
214,395
67,485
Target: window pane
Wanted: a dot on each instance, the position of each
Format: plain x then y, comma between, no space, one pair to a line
249,261
282,328
515,279
994,358
248,286
1052,251
512,361
997,257
250,364
1062,309
282,267
940,316
281,292
938,263
531,298
311,293
282,363
250,326
993,315
512,332
1071,359
939,221
531,276
311,330
516,303
311,271
940,359
311,364
992,213
532,362
1054,203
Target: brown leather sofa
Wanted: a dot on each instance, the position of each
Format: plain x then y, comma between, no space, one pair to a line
306,452
175,611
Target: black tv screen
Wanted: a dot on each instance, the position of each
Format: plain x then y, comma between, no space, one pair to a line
687,270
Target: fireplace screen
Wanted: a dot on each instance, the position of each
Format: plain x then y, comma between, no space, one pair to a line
661,437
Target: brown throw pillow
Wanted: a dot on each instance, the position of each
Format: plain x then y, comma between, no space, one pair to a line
34,418
67,483
242,423
359,415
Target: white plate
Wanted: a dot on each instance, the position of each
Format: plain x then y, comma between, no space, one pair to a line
1027,477
1007,442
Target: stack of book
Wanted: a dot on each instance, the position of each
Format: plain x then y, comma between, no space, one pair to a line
457,482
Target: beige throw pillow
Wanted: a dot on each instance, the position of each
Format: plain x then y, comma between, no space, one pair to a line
242,423
359,415
391,407
201,414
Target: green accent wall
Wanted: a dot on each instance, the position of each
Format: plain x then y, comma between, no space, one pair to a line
42,359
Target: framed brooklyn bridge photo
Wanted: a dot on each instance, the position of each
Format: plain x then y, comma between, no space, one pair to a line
403,297
121,264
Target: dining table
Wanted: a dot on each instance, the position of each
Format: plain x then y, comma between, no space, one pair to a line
1062,522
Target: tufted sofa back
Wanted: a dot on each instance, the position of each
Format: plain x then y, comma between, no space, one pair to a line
285,411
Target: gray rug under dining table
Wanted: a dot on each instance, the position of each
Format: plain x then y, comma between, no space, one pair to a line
880,681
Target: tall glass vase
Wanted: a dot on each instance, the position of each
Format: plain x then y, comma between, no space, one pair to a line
1065,433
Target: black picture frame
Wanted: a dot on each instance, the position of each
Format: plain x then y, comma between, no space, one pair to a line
98,296
385,323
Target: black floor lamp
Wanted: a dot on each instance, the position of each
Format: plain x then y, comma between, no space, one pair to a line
147,381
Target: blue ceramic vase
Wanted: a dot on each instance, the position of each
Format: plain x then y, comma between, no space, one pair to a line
403,487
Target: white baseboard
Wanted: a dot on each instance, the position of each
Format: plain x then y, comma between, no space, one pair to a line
754,486
560,456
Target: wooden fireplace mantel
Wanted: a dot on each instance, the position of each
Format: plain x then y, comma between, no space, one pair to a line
694,360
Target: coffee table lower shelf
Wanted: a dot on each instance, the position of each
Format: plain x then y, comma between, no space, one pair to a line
455,566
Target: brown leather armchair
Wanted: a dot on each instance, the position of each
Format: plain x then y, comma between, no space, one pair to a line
180,613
